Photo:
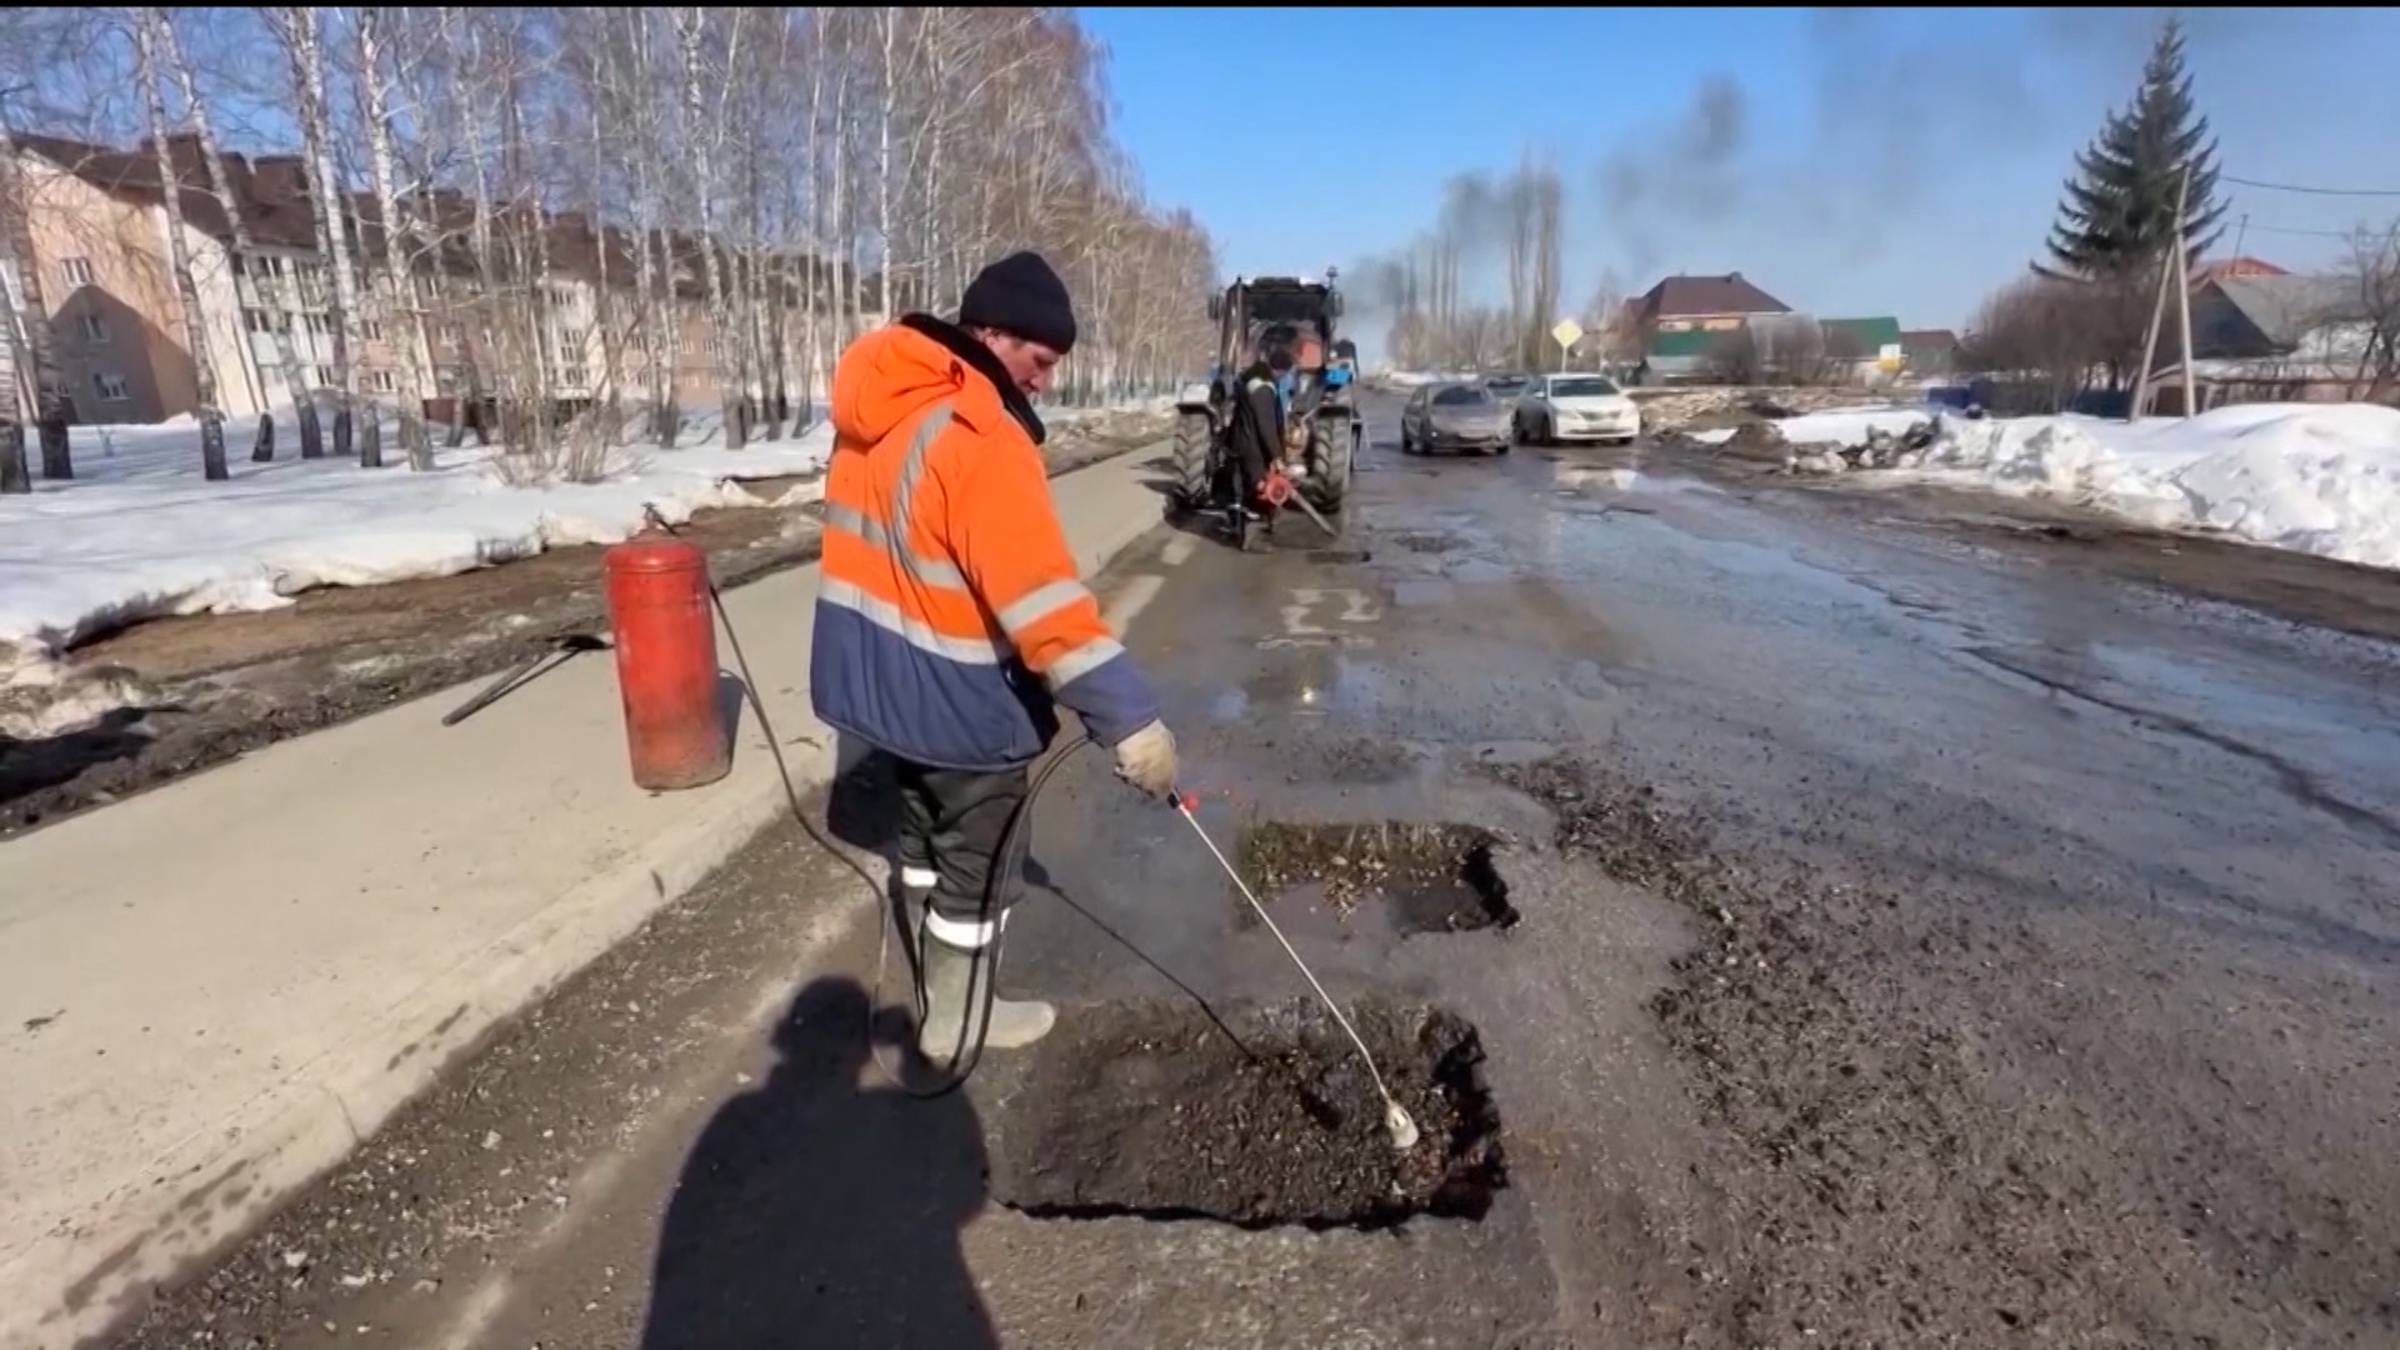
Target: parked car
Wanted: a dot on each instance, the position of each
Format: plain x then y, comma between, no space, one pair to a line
1454,417
1572,407
1508,388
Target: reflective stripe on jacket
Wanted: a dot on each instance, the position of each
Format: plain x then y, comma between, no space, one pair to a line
949,614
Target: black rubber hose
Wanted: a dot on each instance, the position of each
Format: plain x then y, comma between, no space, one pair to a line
1008,863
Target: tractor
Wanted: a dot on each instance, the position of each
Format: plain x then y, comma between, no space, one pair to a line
1257,316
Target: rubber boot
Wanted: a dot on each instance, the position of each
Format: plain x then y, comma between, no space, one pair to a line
952,993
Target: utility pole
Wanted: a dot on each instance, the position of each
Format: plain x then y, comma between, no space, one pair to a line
2183,295
2170,266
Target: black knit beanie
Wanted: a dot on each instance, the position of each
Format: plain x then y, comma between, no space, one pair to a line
1020,294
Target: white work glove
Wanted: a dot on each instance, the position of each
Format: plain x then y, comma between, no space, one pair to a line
1146,759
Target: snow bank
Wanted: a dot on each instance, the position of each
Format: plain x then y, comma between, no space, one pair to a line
140,534
1847,426
2320,478
2316,478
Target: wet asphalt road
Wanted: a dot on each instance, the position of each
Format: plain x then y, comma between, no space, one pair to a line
1921,944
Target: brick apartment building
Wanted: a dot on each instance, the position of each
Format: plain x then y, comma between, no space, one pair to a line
98,222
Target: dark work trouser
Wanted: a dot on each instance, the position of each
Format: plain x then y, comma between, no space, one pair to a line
951,825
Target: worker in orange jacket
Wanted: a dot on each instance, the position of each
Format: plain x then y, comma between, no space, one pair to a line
949,616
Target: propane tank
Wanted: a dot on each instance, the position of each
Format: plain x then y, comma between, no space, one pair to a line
667,662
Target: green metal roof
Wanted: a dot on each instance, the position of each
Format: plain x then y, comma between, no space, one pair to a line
1868,336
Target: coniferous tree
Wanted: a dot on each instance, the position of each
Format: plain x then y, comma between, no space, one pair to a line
2119,211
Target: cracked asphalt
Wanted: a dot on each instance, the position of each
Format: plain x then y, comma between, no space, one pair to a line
1927,936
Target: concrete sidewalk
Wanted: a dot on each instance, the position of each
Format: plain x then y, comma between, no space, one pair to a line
213,991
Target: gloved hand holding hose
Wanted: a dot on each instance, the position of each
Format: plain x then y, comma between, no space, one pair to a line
1146,759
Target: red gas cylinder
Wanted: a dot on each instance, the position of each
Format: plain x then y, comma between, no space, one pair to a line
667,662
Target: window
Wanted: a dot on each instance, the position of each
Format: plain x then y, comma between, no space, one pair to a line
382,382
111,388
259,321
319,324
1580,386
370,330
79,272
95,329
325,376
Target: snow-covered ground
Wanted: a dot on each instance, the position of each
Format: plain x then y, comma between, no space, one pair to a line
1834,426
2313,477
138,533
2317,478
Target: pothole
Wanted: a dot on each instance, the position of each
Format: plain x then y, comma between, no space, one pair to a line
1438,878
1158,1111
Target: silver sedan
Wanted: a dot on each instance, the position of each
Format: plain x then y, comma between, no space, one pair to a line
1454,417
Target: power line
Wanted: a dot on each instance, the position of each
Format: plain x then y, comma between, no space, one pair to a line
2311,191
2286,229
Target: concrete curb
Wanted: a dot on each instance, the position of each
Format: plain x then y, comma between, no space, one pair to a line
80,1276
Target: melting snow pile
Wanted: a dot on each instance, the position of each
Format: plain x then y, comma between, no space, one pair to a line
2317,478
138,533
2313,477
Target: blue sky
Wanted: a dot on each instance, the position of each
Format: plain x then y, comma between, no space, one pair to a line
1887,162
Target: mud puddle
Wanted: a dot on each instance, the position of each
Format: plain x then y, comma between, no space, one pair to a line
1268,1118
1438,878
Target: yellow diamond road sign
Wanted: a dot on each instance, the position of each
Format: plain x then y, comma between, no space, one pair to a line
1568,332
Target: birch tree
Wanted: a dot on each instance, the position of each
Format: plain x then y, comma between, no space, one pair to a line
179,252
299,27
403,321
701,132
34,352
272,284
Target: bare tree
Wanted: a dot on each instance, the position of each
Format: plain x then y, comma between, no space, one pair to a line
1612,327
1733,356
270,282
299,27
2040,333
179,250
702,133
402,320
2370,306
34,355
492,168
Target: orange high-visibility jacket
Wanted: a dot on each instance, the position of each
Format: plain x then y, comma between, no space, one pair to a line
948,614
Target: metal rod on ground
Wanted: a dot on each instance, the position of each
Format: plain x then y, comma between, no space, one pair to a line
1396,1119
523,672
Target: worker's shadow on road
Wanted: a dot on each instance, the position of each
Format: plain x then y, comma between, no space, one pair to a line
820,1209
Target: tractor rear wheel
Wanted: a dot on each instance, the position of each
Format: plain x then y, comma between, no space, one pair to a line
1192,433
1329,463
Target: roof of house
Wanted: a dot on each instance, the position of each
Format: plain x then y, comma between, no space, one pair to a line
1684,297
271,191
1861,337
1919,341
2241,265
2285,308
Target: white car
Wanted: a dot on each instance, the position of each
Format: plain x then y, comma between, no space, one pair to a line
1576,408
